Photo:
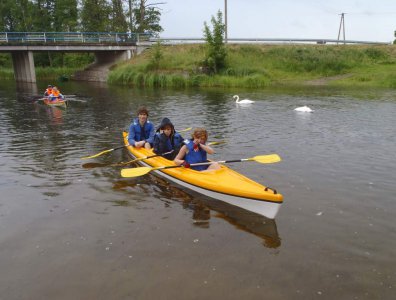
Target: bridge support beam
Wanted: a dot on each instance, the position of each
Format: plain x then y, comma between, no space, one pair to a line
23,63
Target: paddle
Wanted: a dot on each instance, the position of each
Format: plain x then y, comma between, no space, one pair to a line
104,152
99,165
216,143
113,149
263,159
95,165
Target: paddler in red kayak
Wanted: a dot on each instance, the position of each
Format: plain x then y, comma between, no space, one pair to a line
55,95
48,91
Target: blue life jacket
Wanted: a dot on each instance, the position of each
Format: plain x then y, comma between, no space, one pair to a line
163,144
138,133
193,157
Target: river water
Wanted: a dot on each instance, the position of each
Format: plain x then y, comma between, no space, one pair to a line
68,232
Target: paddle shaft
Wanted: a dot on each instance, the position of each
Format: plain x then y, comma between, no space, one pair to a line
265,159
120,147
203,163
96,165
142,158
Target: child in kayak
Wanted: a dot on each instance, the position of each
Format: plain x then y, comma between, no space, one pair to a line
167,139
141,130
195,151
48,91
55,94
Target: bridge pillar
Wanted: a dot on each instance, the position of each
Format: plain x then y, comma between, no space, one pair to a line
23,63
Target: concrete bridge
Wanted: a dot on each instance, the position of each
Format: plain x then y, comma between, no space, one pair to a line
108,48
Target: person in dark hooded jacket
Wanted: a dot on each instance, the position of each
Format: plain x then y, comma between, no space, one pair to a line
166,139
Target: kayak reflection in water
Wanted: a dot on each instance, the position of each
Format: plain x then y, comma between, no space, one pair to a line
195,151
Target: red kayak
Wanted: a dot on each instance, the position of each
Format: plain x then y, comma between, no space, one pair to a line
57,102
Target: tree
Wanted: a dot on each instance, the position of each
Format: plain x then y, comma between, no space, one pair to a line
95,16
155,57
118,18
84,15
131,16
16,15
8,20
147,17
43,15
65,15
216,51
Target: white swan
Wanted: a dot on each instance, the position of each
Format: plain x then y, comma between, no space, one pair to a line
304,109
244,101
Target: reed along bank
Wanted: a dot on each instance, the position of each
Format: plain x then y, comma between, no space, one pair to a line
259,66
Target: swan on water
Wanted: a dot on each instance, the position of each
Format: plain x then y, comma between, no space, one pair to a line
304,109
244,101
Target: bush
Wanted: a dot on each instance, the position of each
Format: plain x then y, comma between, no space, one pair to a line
215,59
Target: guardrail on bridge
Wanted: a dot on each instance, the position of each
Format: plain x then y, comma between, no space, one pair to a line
28,38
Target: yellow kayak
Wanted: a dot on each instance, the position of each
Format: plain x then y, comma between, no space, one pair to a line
224,184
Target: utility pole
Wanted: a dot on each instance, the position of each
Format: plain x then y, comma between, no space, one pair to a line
225,20
342,24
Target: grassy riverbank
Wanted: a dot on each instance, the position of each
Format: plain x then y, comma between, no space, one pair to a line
258,66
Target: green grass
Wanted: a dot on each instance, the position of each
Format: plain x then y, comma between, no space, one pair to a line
6,73
54,73
258,66
41,73
248,66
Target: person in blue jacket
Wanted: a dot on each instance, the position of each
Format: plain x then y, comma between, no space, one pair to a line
141,130
195,151
166,139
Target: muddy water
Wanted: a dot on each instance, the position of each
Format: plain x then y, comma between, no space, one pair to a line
67,232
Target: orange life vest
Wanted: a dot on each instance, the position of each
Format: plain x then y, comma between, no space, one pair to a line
55,93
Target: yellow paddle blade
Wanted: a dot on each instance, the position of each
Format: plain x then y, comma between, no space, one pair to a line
216,143
135,172
96,155
187,129
266,159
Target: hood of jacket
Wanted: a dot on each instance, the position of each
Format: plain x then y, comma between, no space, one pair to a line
164,122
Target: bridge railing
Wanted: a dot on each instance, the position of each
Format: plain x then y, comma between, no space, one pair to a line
175,41
27,38
67,38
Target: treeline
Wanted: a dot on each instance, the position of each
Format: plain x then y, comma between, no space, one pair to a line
139,16
80,15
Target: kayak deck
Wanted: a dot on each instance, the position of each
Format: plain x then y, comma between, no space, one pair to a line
224,184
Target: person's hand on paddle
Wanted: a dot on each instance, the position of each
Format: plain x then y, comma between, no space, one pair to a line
185,164
139,144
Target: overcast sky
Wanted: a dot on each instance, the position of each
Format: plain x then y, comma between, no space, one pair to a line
365,20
